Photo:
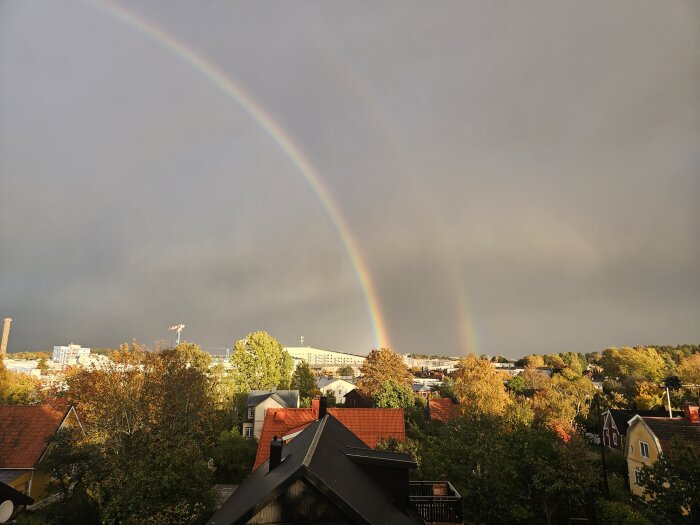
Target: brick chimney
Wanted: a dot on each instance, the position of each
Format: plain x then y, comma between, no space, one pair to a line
275,453
691,413
5,336
315,405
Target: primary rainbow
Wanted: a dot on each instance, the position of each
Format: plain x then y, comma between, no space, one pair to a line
280,138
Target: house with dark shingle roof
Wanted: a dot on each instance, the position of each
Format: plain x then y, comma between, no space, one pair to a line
370,425
326,474
24,433
259,401
650,437
615,424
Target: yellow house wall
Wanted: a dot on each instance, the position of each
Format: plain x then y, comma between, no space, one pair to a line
636,433
21,483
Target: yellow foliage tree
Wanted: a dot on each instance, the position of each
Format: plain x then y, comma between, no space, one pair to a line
648,396
381,366
479,388
689,369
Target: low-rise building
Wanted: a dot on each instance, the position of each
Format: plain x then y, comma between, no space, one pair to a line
338,387
23,442
615,425
69,355
649,437
259,401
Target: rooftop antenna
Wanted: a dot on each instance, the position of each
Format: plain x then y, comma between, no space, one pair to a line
177,328
302,340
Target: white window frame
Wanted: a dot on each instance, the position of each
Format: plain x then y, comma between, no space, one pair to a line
248,432
251,412
636,475
644,449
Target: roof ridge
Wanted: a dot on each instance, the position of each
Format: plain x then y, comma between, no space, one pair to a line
314,442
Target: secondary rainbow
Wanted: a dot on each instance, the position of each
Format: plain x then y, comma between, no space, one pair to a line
279,137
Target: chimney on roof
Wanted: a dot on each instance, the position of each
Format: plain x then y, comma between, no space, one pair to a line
691,413
275,453
316,405
322,406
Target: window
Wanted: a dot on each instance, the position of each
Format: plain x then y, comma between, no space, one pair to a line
614,439
644,449
251,412
636,475
249,432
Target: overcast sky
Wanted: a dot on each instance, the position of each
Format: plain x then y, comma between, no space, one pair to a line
517,177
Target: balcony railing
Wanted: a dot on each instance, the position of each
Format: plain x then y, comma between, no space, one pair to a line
436,501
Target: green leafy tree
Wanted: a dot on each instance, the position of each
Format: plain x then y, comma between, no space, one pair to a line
43,365
193,355
233,456
304,381
346,371
392,394
259,362
672,485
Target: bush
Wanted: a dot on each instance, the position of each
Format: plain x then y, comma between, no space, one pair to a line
618,513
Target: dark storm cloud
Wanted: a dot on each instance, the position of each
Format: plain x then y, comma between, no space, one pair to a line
530,165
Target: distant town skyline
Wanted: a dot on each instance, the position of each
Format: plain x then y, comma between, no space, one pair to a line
491,177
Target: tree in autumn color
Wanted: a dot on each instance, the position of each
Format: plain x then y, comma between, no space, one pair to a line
381,366
144,412
259,362
479,387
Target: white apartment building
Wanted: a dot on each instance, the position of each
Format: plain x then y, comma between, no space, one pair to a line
318,358
70,354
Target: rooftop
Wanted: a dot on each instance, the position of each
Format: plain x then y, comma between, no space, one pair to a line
25,431
368,424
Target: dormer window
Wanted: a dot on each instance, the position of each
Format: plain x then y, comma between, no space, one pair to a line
251,412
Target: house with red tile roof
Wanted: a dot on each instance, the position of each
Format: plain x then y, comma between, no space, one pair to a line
442,409
24,434
369,424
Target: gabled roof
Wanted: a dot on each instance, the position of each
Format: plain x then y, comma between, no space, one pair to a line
25,431
419,387
368,424
442,409
622,417
286,398
328,457
665,429
325,381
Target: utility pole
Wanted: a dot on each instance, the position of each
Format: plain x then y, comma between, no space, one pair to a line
602,446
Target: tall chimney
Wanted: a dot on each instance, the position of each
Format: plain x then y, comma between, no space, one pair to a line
275,453
5,336
316,406
322,406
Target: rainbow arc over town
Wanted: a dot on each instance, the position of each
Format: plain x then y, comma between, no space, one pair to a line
275,132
